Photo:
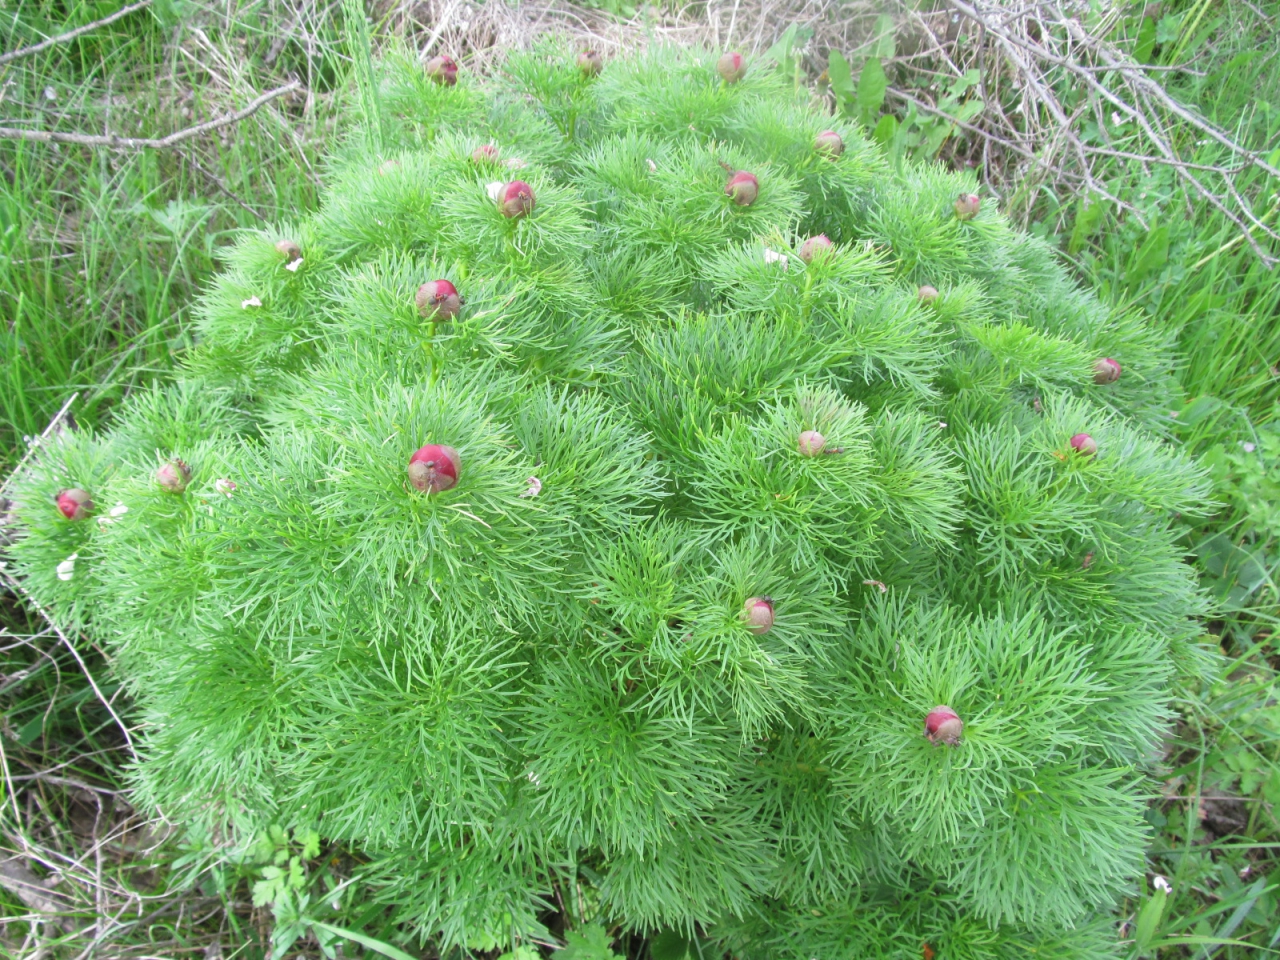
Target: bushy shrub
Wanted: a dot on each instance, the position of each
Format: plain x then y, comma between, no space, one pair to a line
725,514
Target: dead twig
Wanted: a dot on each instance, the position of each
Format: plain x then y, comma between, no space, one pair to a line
1056,72
72,34
89,140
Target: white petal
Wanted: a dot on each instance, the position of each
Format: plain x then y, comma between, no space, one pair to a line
251,302
773,256
1160,883
495,190
225,486
515,163
293,265
119,510
653,167
535,487
67,567
1249,447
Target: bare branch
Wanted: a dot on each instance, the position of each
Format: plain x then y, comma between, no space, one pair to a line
88,140
72,34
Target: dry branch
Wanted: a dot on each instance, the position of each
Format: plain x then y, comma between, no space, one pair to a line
1044,49
89,140
72,34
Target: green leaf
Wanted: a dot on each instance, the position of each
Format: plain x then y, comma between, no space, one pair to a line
369,943
670,945
886,129
1151,256
591,942
1089,211
1148,920
1146,43
310,841
872,84
841,78
886,27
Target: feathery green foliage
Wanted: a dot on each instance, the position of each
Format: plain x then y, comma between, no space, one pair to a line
542,676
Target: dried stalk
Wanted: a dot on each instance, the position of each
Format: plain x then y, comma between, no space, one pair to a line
1042,47
72,34
89,140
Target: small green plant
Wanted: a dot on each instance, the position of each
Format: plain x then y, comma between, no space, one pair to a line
567,532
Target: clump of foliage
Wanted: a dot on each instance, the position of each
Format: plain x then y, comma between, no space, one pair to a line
552,512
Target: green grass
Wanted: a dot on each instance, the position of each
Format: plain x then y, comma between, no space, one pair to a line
1216,827
101,253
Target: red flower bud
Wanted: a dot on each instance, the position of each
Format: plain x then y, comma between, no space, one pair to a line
943,725
1084,444
173,476
438,300
590,63
829,144
516,199
817,246
485,153
757,614
743,188
443,70
812,443
927,294
732,67
1106,370
967,205
74,504
434,468
290,250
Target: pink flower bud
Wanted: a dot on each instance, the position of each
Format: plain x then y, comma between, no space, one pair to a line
290,250
927,294
438,300
818,246
943,725
74,504
743,188
516,199
1084,444
434,468
812,443
590,63
443,70
388,167
485,153
1106,370
757,614
173,476
967,205
732,67
829,144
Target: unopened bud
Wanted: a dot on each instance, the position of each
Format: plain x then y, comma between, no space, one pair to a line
732,67
757,614
967,205
74,504
443,70
434,468
811,443
743,188
829,143
173,476
1106,370
943,725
